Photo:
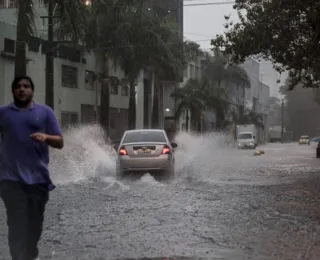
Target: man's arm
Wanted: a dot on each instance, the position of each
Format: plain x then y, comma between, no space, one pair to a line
54,134
55,141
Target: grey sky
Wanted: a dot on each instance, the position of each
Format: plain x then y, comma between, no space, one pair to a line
202,23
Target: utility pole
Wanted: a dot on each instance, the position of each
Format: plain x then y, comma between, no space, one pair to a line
49,60
282,120
49,70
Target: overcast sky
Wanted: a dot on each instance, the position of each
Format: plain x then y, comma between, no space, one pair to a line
202,23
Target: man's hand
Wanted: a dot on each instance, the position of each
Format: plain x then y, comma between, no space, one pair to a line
40,137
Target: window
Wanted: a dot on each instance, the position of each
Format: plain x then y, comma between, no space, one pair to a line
34,44
124,91
89,80
69,119
9,45
124,88
69,76
88,114
144,136
114,85
8,4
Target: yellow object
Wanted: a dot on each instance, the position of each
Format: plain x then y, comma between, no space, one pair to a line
257,153
261,151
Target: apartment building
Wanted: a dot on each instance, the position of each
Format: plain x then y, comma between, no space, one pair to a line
77,74
257,97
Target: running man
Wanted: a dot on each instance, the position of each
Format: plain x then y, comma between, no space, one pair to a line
27,130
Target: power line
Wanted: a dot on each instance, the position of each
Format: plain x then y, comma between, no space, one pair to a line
217,3
198,4
146,45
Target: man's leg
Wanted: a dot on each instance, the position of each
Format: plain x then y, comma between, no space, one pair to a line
38,196
16,203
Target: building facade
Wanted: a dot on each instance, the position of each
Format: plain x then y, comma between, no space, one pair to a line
77,86
77,76
257,97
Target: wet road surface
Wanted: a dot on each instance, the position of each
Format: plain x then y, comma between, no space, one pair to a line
224,204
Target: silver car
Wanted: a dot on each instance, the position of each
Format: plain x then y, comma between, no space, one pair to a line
145,150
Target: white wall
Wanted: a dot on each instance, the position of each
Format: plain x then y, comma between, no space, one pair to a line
66,99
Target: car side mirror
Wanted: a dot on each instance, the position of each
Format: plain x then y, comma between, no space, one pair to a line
174,145
116,146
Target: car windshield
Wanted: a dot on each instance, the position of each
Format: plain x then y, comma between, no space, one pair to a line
245,136
145,136
304,137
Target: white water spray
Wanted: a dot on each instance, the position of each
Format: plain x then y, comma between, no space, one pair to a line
86,155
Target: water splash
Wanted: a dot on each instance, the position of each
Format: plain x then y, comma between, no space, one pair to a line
85,155
199,153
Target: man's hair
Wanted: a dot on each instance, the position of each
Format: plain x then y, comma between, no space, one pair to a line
17,79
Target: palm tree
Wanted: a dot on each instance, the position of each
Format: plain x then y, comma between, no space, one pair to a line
215,97
138,40
251,117
190,98
145,43
112,34
70,13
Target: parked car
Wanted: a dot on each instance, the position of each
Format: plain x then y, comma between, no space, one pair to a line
304,139
145,151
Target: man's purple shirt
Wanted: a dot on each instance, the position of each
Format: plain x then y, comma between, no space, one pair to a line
23,159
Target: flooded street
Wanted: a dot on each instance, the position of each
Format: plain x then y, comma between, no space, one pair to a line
223,204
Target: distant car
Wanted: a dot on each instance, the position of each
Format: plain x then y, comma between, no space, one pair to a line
304,139
145,151
315,139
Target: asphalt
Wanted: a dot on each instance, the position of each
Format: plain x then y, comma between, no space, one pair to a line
224,204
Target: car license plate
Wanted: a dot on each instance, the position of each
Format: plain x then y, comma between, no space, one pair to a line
147,151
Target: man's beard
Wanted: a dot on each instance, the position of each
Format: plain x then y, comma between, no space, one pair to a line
22,103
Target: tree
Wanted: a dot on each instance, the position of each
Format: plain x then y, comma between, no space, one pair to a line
299,112
146,42
225,76
197,96
70,13
285,32
141,40
218,70
215,97
109,32
249,117
190,98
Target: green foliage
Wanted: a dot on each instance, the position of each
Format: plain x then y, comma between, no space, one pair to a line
285,32
218,70
190,97
71,21
249,117
199,94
